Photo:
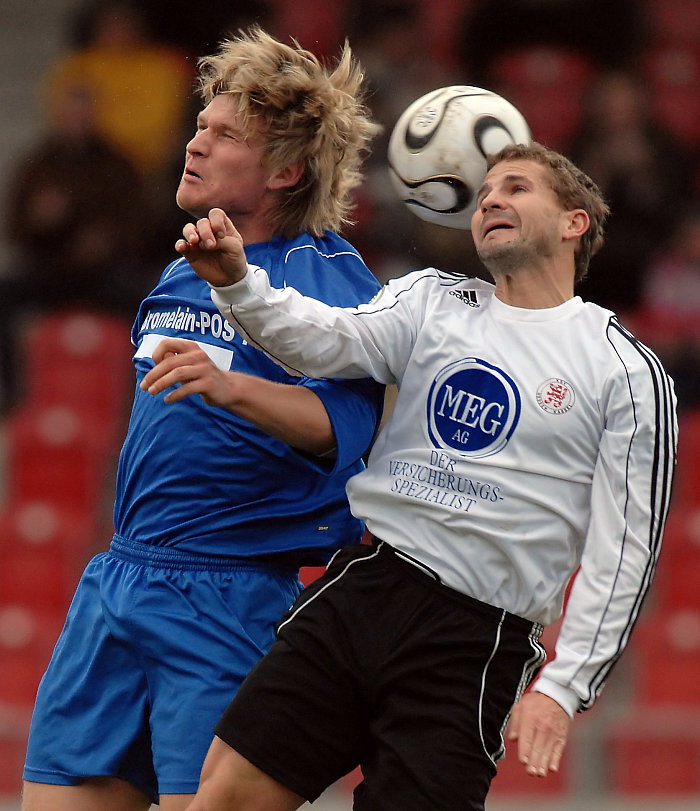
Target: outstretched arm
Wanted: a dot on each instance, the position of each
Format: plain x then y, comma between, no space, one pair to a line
293,414
629,499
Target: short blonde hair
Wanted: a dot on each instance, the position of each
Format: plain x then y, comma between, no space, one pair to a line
307,113
574,188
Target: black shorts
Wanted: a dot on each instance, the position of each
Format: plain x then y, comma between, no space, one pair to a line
381,665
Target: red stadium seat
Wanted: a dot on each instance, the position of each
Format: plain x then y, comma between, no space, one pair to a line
14,728
73,336
677,580
686,491
42,551
27,639
666,649
315,23
674,84
674,22
654,754
547,84
678,572
12,750
44,526
57,454
82,359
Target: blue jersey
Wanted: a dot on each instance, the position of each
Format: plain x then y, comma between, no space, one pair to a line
203,480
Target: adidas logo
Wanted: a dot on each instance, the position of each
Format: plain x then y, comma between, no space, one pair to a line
467,296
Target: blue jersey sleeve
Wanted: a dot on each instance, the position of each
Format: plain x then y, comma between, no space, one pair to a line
355,409
332,271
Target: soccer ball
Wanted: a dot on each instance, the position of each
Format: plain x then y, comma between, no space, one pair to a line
437,150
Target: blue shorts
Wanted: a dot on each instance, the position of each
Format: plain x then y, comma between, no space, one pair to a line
155,645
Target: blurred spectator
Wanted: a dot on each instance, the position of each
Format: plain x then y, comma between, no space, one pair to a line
669,317
197,34
141,88
671,64
673,92
673,22
79,221
609,33
645,176
388,39
547,83
143,97
316,24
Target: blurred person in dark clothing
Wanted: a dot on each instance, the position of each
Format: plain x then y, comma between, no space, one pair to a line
608,33
645,176
75,209
141,88
669,318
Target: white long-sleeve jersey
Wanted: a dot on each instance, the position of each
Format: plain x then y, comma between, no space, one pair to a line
523,445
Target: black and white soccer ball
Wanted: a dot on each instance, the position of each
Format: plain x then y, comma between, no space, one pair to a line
437,150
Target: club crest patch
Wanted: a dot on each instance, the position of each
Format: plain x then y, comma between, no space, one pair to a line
555,396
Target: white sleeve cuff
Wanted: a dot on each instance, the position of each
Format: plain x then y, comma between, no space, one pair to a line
234,293
566,698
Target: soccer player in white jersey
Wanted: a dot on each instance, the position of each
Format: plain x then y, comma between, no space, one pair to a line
533,439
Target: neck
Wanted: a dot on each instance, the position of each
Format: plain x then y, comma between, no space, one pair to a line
534,291
252,233
255,225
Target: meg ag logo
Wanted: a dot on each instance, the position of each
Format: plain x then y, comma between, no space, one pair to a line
473,408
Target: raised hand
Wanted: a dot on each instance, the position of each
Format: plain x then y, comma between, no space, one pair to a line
187,368
214,249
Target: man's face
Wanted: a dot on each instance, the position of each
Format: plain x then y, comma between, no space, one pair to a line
519,219
223,166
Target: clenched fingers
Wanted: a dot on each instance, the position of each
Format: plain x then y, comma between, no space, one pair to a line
177,363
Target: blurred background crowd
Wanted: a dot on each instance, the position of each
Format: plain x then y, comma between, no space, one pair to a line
97,109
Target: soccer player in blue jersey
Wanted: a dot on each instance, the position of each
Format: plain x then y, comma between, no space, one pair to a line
222,497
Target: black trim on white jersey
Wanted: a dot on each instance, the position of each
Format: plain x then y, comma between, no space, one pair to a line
662,474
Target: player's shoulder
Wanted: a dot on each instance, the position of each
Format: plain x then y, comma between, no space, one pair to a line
177,276
330,249
328,268
177,268
434,279
629,358
602,322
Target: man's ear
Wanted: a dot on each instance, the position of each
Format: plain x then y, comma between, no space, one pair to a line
577,224
289,176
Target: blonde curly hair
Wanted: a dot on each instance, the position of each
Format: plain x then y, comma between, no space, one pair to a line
307,112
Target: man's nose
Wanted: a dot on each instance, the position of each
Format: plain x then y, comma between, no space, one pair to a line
197,144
